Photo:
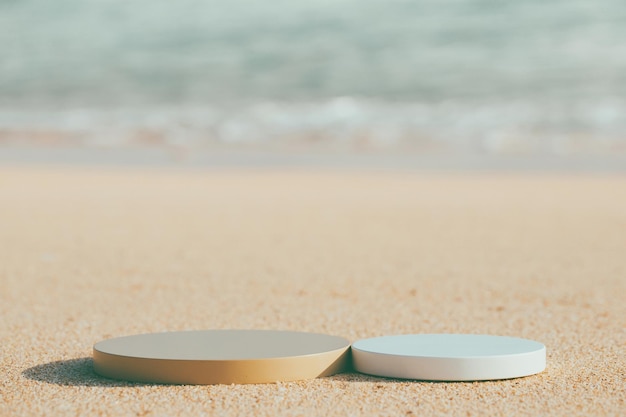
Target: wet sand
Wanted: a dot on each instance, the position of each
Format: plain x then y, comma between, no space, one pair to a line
92,253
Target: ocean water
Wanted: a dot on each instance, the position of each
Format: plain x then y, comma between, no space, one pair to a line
531,77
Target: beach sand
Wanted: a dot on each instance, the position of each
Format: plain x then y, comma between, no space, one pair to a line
92,253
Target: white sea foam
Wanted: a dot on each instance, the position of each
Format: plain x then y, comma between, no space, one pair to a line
346,123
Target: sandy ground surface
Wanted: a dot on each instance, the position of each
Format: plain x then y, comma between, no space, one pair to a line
88,254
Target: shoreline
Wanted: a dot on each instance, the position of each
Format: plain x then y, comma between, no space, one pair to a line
267,158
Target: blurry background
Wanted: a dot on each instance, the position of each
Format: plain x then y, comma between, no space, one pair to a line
456,83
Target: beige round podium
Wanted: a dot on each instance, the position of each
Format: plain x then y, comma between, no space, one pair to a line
221,356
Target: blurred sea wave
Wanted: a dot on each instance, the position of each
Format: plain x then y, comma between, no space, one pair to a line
338,124
455,76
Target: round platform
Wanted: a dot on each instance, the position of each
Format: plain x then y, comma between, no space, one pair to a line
220,356
449,357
